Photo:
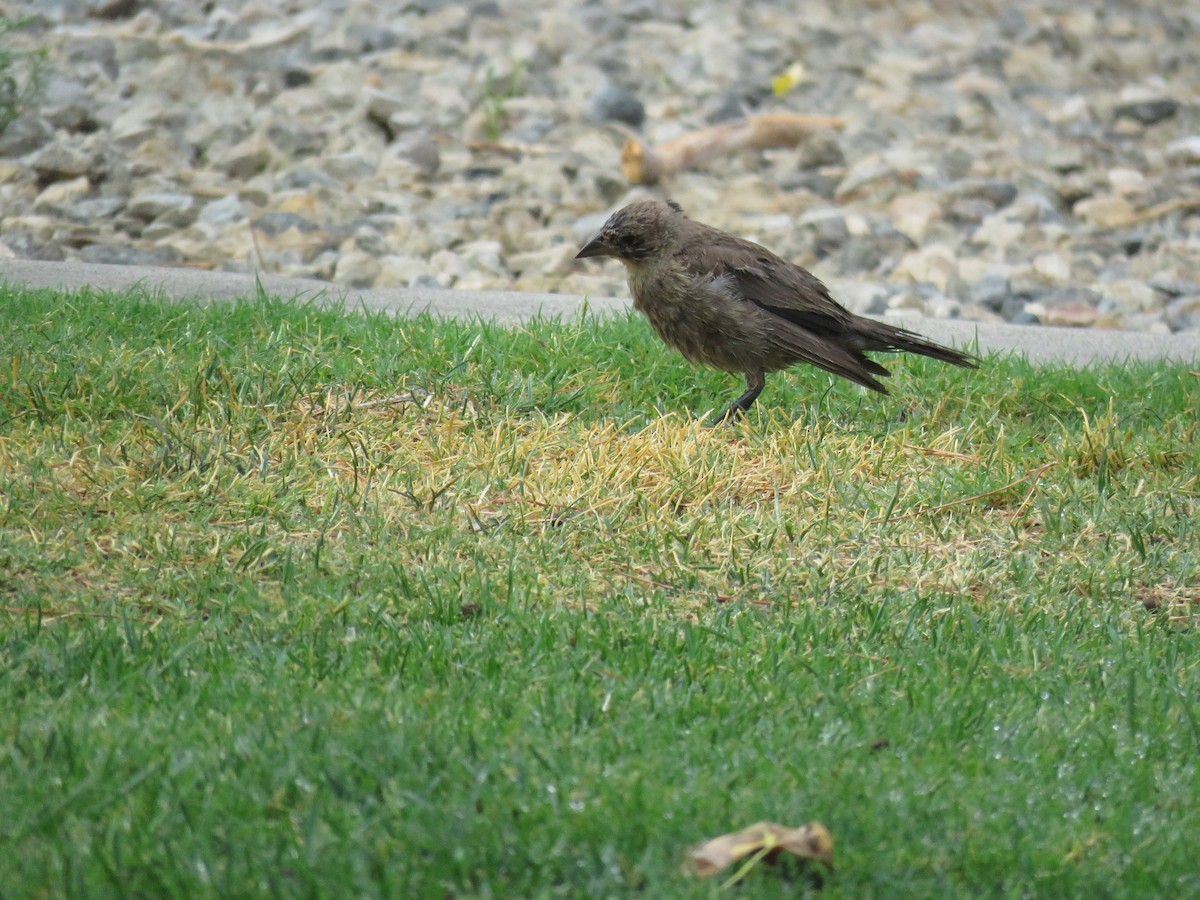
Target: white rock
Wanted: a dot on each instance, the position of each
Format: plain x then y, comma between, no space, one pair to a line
999,231
1053,267
1184,151
556,260
1127,181
912,213
1104,211
400,271
356,268
935,264
62,193
224,211
1129,296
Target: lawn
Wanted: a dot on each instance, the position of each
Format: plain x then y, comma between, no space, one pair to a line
306,603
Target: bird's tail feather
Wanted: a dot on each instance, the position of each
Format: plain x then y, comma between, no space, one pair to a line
847,357
888,338
848,362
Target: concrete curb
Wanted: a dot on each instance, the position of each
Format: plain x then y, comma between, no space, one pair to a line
1078,347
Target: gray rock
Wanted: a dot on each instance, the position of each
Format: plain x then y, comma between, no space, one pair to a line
1174,287
731,106
420,150
997,192
92,53
1184,151
276,223
370,241
171,208
613,103
1011,22
585,226
370,38
382,105
829,233
25,134
296,141
968,211
990,291
59,161
296,76
1065,159
304,178
95,209
1040,208
818,183
1027,315
862,254
66,103
139,123
820,150
348,168
909,300
1183,313
243,160
115,9
865,298
1149,111
425,281
25,244
225,211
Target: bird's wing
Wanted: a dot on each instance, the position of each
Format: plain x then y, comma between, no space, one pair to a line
774,284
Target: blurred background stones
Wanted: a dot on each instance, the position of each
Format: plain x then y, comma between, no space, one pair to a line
1019,161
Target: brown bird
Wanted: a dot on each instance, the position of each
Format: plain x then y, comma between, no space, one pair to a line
729,303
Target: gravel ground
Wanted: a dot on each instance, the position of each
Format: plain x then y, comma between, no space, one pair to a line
1017,161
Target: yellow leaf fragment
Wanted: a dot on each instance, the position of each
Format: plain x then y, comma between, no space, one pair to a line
789,79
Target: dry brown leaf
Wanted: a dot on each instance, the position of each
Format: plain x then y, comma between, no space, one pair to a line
811,841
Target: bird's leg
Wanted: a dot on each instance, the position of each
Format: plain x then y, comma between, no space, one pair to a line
755,381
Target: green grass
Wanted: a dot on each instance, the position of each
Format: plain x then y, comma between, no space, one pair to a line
304,603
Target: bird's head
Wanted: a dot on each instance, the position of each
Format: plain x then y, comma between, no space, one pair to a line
637,232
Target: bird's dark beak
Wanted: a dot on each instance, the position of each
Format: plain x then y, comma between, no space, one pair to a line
597,246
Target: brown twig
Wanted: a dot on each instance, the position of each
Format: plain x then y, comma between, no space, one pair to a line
643,164
1159,210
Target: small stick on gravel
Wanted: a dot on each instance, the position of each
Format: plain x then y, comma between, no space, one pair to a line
643,164
1159,210
514,150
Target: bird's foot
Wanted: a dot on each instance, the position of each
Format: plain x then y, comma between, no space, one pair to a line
734,414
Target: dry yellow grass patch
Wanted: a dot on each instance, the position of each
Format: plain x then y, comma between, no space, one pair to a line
715,509
783,513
